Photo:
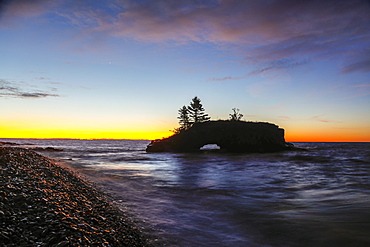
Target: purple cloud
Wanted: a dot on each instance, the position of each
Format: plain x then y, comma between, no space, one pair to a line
362,66
12,10
266,33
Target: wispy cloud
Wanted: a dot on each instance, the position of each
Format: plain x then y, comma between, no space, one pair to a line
277,107
323,120
362,85
12,89
13,10
42,78
362,66
266,67
226,78
267,33
359,60
284,118
47,80
35,95
277,65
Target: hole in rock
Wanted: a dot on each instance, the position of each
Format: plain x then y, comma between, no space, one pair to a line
210,147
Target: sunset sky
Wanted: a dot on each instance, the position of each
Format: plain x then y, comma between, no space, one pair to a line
121,69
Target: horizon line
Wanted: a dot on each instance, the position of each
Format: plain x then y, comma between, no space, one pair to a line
113,139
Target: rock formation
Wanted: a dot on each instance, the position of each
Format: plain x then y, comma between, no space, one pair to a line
230,136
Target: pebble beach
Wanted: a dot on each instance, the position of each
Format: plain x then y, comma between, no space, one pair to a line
43,204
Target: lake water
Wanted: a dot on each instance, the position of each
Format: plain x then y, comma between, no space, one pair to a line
317,197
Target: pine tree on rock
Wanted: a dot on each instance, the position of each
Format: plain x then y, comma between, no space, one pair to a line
184,119
196,111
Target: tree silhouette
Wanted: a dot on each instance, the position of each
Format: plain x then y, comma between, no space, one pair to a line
235,116
196,111
184,119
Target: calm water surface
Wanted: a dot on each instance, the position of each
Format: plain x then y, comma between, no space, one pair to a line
318,197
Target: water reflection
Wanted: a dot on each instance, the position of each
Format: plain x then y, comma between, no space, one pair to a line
320,197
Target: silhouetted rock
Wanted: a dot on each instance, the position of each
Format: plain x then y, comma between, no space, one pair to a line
9,143
230,136
47,149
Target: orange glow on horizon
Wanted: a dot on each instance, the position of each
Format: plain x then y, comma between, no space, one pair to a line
327,136
36,129
88,135
293,133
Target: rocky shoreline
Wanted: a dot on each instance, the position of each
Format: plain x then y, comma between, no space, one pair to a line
42,204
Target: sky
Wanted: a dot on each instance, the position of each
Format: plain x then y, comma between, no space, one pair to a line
121,69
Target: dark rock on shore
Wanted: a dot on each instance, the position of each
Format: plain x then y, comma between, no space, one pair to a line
47,149
9,143
38,149
42,204
230,136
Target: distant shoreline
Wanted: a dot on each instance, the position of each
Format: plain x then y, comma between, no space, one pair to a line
151,140
73,139
43,204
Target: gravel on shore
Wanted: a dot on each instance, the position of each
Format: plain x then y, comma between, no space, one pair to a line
42,204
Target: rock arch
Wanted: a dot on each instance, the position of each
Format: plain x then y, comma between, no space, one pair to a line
210,146
230,136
